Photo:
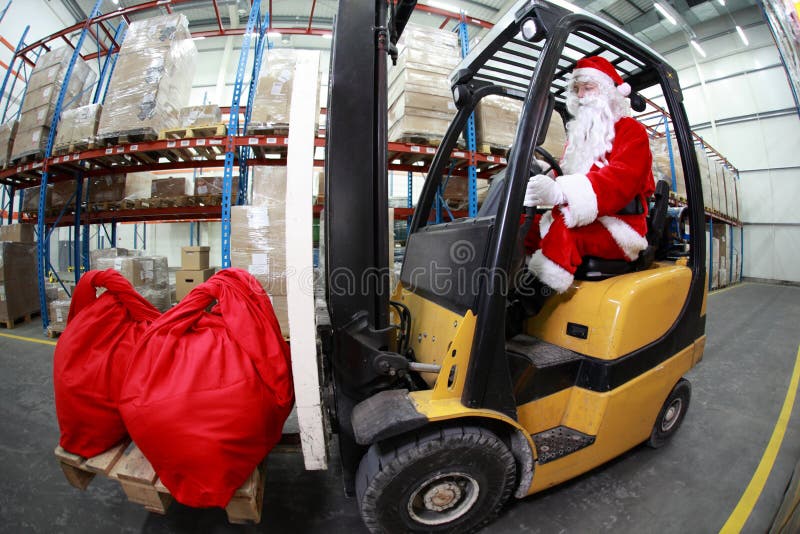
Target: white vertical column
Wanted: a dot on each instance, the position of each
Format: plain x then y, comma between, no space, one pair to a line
299,258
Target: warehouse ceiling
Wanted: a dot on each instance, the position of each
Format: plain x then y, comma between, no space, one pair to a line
638,17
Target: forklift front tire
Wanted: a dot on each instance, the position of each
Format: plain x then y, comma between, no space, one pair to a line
451,479
671,415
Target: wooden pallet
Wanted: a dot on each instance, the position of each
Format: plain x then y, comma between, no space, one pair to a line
54,331
418,140
24,159
260,129
126,464
208,130
12,323
122,138
488,148
73,148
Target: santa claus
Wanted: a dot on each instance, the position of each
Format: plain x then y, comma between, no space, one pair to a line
600,202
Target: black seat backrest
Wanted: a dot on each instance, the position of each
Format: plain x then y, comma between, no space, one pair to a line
656,220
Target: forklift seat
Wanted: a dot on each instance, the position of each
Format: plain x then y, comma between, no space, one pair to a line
593,268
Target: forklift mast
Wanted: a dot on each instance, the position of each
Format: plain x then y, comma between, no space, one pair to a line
357,269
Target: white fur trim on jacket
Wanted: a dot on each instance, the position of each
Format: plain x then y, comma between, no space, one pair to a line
545,222
581,208
628,239
550,272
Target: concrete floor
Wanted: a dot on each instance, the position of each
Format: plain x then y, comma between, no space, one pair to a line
691,485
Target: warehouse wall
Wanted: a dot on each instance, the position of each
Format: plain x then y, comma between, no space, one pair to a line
738,99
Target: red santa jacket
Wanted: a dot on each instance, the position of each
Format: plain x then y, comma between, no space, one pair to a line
606,189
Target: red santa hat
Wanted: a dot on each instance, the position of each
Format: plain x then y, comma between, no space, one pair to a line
599,68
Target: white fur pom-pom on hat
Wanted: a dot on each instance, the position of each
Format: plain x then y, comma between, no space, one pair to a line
624,88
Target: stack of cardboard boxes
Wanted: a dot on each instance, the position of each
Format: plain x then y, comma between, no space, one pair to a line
19,289
194,270
41,95
198,116
77,128
420,101
8,131
274,92
258,238
152,78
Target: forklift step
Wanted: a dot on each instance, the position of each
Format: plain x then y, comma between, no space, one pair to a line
558,442
540,353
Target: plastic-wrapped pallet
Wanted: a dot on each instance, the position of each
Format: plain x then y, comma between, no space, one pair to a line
78,127
212,186
107,188
149,275
7,133
168,188
58,313
273,99
41,96
195,116
63,194
152,79
258,237
105,253
662,166
705,175
420,101
496,119
30,198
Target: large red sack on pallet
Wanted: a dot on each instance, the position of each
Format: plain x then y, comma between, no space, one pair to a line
208,395
92,357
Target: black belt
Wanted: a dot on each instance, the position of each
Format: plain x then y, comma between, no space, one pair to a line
634,207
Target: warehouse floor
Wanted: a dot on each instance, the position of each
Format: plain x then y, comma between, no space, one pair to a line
691,485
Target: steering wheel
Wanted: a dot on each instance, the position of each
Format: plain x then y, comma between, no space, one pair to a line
548,158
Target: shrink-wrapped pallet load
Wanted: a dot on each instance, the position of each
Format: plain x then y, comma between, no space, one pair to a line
77,128
197,116
663,164
420,102
30,198
152,79
149,275
41,96
19,291
258,237
273,98
704,166
8,132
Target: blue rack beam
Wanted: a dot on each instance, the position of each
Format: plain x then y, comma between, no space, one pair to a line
472,171
233,130
43,245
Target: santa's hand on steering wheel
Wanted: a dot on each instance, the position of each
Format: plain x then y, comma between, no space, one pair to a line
543,191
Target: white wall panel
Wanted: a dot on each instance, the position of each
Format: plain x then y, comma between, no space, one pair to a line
755,190
770,90
759,252
787,253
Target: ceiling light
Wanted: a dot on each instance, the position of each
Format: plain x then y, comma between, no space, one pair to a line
445,6
742,36
664,13
697,47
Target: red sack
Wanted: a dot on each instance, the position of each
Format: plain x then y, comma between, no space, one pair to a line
208,395
92,357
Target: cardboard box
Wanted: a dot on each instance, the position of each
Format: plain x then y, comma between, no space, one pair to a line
19,289
168,188
115,252
194,116
78,126
59,311
280,305
141,271
194,258
186,280
18,233
212,185
30,198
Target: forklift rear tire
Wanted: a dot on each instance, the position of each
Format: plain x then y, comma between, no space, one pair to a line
451,479
671,415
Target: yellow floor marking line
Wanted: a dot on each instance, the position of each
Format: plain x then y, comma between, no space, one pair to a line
31,339
732,286
738,518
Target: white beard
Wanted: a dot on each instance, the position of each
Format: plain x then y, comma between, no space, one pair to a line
590,134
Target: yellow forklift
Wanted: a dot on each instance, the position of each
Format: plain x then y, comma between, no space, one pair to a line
440,416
